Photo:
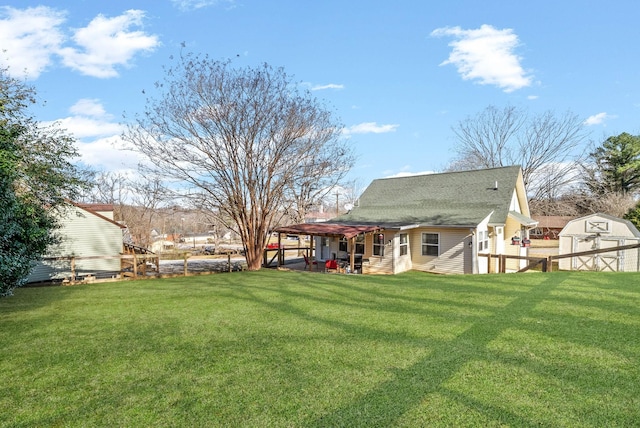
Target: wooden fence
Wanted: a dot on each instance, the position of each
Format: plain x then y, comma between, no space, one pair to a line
134,266
546,263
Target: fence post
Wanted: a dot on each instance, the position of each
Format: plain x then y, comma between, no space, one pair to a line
73,270
135,266
186,270
549,264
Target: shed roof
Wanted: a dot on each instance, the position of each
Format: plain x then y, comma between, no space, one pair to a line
569,228
461,198
552,221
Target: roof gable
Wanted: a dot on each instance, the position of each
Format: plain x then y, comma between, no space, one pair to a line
86,208
461,198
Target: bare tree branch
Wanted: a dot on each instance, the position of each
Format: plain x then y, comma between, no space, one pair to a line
546,146
242,141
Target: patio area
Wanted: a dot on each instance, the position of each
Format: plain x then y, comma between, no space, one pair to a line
300,264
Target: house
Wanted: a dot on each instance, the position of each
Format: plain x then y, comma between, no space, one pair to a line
599,231
441,223
83,233
549,226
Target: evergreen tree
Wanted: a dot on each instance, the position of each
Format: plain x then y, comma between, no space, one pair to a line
36,177
615,166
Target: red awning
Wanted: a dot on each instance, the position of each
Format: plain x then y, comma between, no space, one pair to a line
327,229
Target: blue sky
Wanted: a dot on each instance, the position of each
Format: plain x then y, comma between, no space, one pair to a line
399,74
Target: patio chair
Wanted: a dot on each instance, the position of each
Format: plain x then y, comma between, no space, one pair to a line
308,264
331,266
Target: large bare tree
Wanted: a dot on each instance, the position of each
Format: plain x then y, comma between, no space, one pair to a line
548,147
244,142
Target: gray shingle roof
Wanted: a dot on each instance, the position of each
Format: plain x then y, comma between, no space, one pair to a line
462,198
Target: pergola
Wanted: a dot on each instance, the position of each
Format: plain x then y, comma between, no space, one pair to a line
348,231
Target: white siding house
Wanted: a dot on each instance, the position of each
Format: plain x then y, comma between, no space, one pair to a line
84,233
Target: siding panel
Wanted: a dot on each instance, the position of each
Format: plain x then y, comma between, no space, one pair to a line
82,234
455,253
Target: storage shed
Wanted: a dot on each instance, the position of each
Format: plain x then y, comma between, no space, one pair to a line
595,232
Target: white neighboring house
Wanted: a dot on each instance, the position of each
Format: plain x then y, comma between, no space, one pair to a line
87,231
162,245
598,231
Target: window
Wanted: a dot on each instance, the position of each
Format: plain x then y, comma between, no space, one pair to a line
378,244
404,244
483,240
430,244
360,244
342,245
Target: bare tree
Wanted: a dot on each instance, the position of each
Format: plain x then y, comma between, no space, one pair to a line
616,204
108,188
148,196
136,201
546,146
243,142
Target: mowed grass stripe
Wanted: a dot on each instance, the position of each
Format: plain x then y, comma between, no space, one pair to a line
273,348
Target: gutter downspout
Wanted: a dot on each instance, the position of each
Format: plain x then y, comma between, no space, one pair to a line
474,252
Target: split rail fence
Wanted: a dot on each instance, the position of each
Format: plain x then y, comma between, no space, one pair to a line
134,266
546,263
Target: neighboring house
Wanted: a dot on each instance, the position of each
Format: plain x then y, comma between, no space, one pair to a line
549,226
599,231
439,223
196,239
162,245
105,210
84,233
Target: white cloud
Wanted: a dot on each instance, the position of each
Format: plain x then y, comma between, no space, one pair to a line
597,119
198,4
328,86
486,55
408,174
87,127
89,107
107,154
369,128
31,38
106,43
99,138
28,39
89,120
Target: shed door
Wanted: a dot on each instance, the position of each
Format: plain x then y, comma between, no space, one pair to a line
610,262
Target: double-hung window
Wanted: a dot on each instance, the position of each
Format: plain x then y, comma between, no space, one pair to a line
378,244
483,240
342,245
404,244
360,244
431,244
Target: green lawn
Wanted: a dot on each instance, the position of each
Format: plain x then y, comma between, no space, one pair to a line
274,348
